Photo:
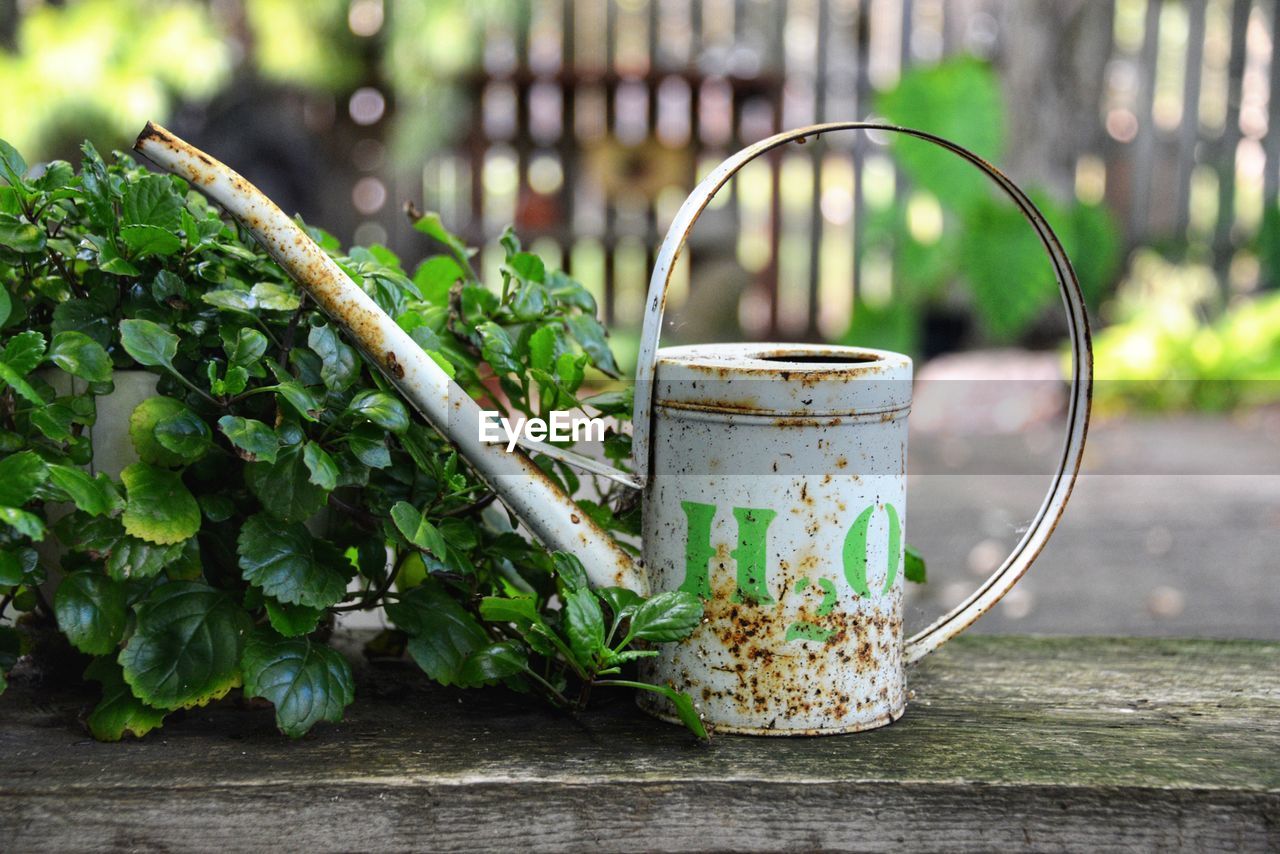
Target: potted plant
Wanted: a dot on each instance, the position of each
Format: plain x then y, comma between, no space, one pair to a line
191,561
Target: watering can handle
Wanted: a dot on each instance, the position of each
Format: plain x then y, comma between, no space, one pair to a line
1046,519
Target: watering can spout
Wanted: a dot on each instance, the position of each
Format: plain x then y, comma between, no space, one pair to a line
549,514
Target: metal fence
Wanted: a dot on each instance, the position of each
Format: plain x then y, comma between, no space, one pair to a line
590,121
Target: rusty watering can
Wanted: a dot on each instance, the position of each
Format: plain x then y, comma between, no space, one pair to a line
773,477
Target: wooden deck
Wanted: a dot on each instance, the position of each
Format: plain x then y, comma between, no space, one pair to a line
1021,743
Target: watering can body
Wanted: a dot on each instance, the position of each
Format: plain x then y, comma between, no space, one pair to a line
773,477
777,494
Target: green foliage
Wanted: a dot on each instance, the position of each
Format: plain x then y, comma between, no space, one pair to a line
1163,355
105,66
591,636
201,568
984,243
306,681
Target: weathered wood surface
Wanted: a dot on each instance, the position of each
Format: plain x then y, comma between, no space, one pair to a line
1010,743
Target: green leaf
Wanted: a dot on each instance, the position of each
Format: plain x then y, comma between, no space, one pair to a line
144,431
151,200
20,566
521,610
684,709
103,537
91,611
669,616
584,624
231,299
570,571
590,335
21,474
297,396
159,507
6,305
382,409
528,267
292,620
12,166
369,446
80,356
185,435
252,439
284,486
96,496
305,681
416,529
338,369
23,352
25,523
430,225
958,99
1008,272
168,286
530,302
14,379
478,302
496,348
148,343
621,601
21,236
244,346
54,421
273,296
324,472
493,663
110,260
289,564
570,292
118,712
914,566
442,633
435,277
544,346
91,316
146,240
131,557
186,648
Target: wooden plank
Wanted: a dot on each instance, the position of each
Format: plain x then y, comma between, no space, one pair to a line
1009,743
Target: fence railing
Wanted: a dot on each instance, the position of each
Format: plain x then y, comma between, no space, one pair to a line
589,122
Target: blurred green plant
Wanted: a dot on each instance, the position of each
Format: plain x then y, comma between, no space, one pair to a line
955,238
104,67
1171,349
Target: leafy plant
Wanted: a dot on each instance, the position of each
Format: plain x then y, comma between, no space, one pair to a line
980,240
1163,354
279,480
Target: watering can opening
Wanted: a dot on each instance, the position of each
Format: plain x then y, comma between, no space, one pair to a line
820,359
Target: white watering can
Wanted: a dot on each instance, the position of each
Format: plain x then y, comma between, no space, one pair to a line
774,477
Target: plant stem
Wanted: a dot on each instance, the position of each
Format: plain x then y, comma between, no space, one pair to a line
373,599
557,697
189,384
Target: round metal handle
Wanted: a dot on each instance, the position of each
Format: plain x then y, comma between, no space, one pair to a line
1046,519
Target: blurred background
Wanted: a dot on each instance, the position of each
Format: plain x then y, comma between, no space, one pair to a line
1143,128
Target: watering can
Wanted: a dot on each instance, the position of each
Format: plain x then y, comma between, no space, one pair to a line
773,477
